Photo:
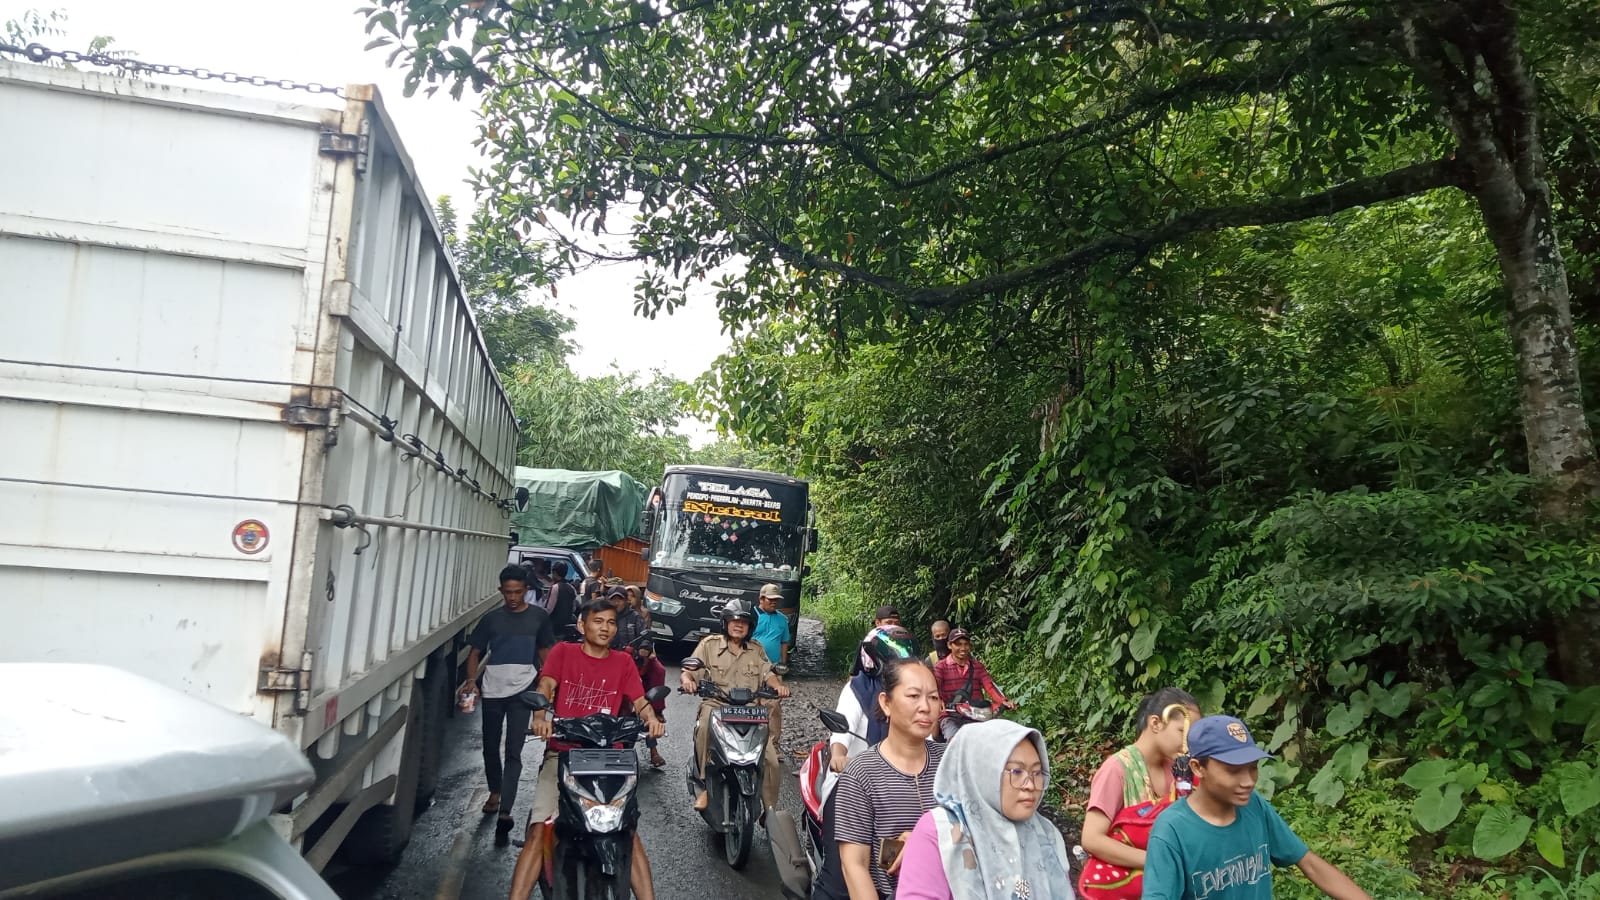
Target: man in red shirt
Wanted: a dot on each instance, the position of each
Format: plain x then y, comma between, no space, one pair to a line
960,671
582,679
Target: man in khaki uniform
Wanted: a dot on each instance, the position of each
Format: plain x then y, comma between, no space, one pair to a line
732,660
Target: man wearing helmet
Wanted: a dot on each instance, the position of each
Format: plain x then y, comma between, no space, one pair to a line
860,693
732,660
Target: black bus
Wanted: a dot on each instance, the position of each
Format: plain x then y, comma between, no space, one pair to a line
719,533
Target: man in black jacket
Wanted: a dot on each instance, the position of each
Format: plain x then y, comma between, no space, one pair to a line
563,603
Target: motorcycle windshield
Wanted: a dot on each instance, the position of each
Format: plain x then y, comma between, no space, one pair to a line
742,742
599,730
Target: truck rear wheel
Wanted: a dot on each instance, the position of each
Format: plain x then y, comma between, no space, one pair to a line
379,837
432,699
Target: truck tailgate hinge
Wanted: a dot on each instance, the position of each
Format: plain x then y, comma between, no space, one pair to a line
337,143
281,679
314,407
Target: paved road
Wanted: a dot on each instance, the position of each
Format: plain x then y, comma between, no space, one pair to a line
686,861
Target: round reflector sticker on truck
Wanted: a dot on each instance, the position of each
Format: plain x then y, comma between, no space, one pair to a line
250,536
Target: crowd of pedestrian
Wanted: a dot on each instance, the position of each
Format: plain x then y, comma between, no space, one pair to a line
953,812
932,801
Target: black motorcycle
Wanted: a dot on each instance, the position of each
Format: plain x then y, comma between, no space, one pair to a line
734,769
598,806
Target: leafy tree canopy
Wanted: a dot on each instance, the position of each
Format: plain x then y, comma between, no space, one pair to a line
1207,343
889,162
498,272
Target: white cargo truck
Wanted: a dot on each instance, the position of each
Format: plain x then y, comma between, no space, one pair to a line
253,446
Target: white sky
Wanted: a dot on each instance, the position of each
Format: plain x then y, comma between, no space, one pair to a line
322,40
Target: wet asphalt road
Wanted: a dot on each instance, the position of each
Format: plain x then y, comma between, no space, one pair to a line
684,856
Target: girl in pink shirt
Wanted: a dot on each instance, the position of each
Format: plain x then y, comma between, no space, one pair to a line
1138,773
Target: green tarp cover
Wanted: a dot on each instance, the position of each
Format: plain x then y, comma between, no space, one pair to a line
577,509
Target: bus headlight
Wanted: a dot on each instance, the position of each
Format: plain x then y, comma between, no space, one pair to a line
659,604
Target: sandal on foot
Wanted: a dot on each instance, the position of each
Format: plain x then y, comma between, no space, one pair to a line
491,805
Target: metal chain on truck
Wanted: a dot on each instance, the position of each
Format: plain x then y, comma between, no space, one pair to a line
40,54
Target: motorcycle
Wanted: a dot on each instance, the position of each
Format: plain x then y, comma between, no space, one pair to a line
966,710
598,806
799,860
734,762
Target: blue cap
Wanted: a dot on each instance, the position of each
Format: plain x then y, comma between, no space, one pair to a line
1225,739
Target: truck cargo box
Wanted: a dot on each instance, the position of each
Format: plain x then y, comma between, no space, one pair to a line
256,448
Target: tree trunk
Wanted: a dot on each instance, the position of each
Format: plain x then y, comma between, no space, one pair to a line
1494,113
1539,318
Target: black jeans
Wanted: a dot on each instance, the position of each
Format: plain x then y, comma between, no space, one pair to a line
512,715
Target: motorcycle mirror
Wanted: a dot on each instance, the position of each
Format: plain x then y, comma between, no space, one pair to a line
658,693
780,670
836,723
534,700
693,664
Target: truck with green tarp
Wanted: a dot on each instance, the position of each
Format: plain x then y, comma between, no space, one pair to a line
573,515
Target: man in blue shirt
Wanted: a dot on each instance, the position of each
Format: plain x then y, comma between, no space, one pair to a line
772,633
772,627
1221,842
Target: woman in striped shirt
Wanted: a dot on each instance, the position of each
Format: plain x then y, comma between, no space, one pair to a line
885,790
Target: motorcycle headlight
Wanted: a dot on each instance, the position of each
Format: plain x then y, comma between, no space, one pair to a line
601,815
664,605
602,818
741,749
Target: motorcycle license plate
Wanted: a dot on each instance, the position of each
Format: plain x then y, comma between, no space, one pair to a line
745,713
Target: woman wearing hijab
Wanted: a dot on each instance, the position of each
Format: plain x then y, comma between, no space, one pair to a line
984,838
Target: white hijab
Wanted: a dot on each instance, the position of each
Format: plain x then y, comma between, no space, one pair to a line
987,856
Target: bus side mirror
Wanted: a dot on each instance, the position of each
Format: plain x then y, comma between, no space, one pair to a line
811,540
522,498
647,524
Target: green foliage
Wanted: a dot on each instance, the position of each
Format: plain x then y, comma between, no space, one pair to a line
909,430
498,272
1543,884
40,26
615,421
845,609
612,422
1362,836
35,25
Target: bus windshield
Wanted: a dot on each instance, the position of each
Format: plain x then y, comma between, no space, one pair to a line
696,540
710,520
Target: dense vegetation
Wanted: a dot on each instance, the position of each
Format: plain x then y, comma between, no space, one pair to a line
1231,345
612,421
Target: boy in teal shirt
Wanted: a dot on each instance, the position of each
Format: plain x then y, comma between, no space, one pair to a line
1221,842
